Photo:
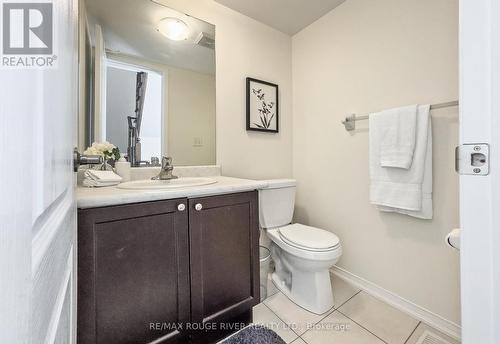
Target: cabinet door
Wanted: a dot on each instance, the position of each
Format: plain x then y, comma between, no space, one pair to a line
224,256
133,273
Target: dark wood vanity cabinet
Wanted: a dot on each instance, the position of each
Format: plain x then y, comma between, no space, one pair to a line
160,271
224,252
133,272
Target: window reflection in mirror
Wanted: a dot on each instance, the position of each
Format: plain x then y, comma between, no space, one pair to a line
121,89
143,87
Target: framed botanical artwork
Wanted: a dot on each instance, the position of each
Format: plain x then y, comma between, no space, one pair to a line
262,106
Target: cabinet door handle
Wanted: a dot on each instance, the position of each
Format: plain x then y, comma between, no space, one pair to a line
181,207
198,206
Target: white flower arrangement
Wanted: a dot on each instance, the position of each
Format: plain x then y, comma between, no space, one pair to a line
105,149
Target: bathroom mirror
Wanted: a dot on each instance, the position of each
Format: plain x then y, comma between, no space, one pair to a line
147,81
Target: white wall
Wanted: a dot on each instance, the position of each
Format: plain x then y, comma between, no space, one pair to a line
366,56
245,47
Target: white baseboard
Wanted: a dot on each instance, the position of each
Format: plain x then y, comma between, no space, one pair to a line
438,322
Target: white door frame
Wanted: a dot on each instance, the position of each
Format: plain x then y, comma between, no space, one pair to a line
480,195
99,86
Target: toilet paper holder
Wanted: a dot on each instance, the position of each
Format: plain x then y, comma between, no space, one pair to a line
453,239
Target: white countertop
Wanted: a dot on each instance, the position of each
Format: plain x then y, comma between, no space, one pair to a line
111,195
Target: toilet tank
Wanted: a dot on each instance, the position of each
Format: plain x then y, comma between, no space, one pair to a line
276,203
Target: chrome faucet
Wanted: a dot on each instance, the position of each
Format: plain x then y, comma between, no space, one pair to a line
166,170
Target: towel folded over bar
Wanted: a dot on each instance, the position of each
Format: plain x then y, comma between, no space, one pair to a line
405,191
398,140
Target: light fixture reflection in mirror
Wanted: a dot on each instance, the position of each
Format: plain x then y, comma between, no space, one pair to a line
173,28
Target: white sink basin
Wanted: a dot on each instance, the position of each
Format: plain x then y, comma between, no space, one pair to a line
166,184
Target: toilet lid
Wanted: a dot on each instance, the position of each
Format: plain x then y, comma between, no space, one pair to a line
309,238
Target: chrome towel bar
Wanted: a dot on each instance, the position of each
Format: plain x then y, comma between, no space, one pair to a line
350,121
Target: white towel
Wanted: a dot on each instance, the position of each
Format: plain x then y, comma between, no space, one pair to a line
98,178
398,190
96,184
398,136
103,176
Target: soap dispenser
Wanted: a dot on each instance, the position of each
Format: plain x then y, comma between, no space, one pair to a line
122,167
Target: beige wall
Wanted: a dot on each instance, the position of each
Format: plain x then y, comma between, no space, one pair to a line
191,114
365,56
247,48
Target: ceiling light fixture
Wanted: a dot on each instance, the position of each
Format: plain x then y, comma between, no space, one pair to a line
173,28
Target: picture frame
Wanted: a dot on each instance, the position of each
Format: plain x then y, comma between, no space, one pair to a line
262,106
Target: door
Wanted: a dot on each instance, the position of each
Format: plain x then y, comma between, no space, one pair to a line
37,133
480,195
224,253
133,273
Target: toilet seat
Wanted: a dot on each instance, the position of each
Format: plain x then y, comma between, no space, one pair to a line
308,238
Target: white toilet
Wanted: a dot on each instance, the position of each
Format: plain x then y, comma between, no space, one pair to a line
302,255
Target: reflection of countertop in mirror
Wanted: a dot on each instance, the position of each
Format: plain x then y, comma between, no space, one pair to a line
107,196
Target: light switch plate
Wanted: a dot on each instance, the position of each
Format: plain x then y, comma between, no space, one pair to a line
197,142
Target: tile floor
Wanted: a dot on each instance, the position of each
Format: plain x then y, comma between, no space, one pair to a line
357,318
